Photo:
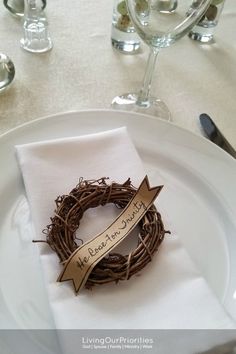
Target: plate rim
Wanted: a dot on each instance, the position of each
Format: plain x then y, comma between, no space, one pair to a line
41,119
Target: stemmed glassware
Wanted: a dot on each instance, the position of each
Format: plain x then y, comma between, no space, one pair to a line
159,29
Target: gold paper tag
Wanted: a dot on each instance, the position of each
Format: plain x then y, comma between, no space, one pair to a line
81,262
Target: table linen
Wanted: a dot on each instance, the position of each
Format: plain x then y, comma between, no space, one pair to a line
83,71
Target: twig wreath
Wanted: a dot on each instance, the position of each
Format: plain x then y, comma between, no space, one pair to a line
61,233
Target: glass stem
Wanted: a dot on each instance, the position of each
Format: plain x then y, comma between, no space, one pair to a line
143,96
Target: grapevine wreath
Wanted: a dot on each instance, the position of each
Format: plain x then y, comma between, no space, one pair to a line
61,233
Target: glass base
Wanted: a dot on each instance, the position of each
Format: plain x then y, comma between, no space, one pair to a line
204,38
126,42
202,33
36,46
124,47
154,107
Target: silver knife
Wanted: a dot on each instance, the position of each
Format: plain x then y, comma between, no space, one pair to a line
214,134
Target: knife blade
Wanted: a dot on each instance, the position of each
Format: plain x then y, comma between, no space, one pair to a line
214,134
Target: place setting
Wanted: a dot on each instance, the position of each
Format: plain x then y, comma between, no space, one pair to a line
117,218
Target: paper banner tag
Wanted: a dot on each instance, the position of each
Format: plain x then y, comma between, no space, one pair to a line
81,262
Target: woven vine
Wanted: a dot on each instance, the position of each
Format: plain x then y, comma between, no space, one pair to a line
61,233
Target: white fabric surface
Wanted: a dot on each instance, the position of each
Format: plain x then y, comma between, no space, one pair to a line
83,71
170,293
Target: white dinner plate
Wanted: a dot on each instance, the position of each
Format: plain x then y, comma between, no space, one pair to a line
200,197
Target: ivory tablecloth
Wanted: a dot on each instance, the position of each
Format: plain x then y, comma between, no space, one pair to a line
83,71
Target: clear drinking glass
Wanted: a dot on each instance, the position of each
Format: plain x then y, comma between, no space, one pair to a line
159,29
36,37
123,34
7,72
204,29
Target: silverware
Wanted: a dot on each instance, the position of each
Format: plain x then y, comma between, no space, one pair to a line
7,72
214,134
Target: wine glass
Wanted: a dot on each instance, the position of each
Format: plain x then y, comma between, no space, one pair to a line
159,29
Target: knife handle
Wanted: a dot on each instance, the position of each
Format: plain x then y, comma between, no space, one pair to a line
214,134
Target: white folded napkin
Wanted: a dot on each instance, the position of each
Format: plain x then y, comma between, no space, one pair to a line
169,293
